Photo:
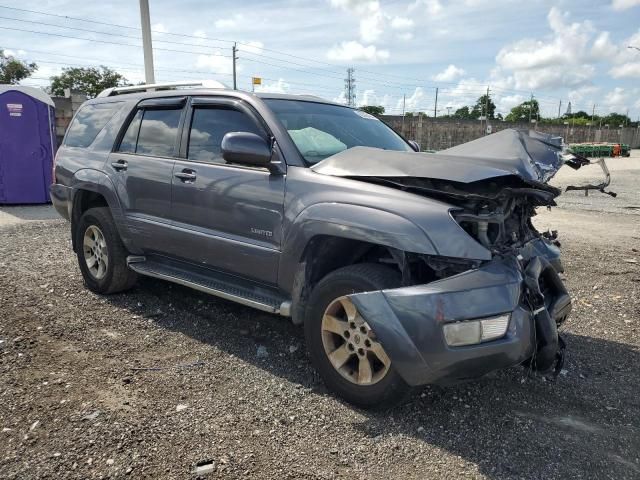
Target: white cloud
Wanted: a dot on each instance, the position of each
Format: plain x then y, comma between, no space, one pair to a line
630,70
159,28
449,74
602,47
228,23
617,96
374,21
583,95
401,23
624,4
216,63
254,47
626,60
431,7
405,36
361,7
9,53
416,102
355,51
564,59
372,27
279,86
371,97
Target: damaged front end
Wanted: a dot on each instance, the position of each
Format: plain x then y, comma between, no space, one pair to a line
476,318
470,318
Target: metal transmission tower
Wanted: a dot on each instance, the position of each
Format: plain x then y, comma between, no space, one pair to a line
350,88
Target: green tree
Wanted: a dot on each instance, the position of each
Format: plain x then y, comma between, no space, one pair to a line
578,114
373,109
90,81
13,70
616,119
484,102
520,113
463,112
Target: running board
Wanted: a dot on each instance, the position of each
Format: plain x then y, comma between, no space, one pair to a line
219,284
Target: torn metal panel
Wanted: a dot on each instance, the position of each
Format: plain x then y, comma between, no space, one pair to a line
532,156
600,187
409,321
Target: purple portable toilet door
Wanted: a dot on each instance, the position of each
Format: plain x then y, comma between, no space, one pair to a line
26,148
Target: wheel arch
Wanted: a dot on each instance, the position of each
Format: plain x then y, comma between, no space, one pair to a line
92,188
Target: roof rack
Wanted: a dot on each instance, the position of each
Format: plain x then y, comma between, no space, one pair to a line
152,87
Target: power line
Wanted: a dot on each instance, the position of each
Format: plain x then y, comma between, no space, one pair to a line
421,82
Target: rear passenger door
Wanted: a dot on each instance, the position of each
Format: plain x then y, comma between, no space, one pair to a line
142,166
228,217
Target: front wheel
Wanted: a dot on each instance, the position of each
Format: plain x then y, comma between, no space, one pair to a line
101,255
343,347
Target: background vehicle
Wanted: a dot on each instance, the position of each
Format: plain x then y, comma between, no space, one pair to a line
404,268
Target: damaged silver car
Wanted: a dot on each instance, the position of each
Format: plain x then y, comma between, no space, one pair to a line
405,268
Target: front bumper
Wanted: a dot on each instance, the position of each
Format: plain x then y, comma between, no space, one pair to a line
408,321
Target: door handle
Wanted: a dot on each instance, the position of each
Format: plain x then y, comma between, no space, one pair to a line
187,175
119,165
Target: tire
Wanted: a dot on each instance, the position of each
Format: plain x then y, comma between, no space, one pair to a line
103,237
381,391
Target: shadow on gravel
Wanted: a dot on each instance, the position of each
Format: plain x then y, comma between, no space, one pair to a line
584,425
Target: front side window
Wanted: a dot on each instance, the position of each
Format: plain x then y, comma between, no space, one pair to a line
209,126
152,132
320,130
88,122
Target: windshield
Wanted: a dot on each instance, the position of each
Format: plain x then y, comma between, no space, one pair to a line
320,130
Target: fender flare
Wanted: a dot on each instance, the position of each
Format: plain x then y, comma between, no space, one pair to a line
99,182
349,221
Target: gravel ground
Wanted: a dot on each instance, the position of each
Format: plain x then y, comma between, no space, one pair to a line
154,382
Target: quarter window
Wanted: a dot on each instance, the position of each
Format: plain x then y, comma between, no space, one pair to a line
88,122
209,126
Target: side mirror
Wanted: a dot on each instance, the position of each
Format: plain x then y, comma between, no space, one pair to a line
245,148
414,145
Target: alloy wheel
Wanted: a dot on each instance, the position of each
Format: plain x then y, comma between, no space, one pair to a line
95,252
351,345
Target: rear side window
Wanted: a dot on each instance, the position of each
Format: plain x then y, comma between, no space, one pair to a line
152,132
88,122
209,126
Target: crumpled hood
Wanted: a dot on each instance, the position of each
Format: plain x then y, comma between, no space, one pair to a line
530,155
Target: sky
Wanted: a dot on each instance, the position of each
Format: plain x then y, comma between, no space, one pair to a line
401,50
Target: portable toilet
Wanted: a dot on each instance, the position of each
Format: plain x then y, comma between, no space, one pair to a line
27,138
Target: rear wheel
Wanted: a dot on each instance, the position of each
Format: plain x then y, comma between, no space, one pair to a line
101,255
342,345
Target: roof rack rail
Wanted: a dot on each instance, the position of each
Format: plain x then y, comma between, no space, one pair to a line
152,87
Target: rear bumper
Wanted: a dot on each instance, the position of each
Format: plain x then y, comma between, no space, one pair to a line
409,321
61,197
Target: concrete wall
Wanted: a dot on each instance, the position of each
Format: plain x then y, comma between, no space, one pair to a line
441,133
66,107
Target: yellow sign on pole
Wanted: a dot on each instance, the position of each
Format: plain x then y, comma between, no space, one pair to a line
256,80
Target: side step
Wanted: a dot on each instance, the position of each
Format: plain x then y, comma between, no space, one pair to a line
215,283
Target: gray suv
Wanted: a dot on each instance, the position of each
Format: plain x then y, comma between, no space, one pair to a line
404,268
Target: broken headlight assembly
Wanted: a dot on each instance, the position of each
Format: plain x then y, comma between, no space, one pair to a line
473,332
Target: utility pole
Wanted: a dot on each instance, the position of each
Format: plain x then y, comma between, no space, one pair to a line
559,108
486,111
350,88
530,109
435,107
234,51
404,103
146,42
593,112
448,111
